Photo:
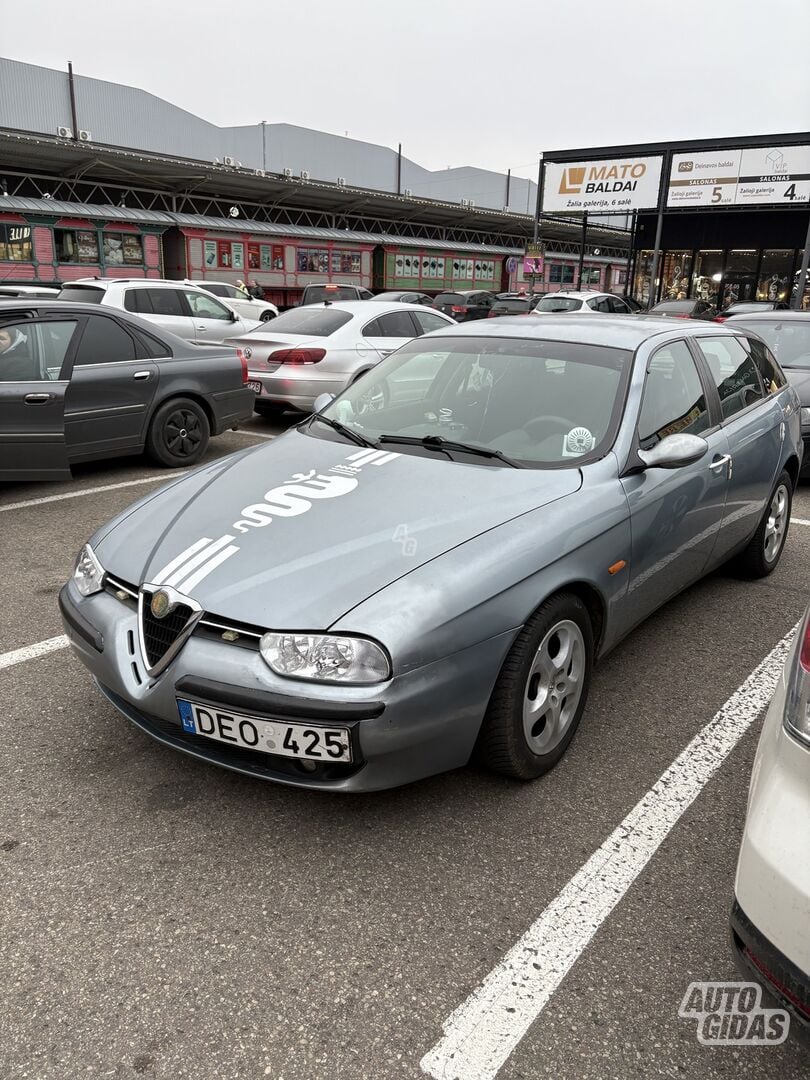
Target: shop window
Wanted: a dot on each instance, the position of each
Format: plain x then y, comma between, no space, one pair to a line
641,276
677,269
708,276
774,275
739,279
272,257
313,261
254,258
15,243
76,245
122,249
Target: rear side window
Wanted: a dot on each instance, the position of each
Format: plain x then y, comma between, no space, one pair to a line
81,294
149,348
155,301
313,321
104,341
34,351
734,373
772,375
674,401
396,324
217,290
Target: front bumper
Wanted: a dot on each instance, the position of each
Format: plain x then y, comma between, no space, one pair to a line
298,387
772,888
415,725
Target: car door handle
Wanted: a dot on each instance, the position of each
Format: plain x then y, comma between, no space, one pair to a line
142,375
36,399
202,329
718,463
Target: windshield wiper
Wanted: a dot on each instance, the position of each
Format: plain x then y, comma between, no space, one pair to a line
437,442
342,429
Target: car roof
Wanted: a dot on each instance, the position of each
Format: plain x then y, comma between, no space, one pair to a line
578,294
355,307
612,331
104,283
770,316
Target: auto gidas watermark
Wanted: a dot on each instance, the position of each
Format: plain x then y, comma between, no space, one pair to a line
731,1014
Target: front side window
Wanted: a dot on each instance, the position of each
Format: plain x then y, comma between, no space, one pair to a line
674,401
206,307
76,245
34,351
545,403
104,341
734,373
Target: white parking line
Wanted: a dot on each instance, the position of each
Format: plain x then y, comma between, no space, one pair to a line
93,490
31,652
799,521
258,434
482,1033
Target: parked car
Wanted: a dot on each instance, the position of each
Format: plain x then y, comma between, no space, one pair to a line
249,307
42,292
184,310
323,347
585,301
685,309
771,911
634,305
80,382
751,307
516,305
317,294
404,298
379,595
787,335
465,305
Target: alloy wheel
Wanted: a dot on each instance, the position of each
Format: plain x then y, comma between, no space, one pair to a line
554,687
776,523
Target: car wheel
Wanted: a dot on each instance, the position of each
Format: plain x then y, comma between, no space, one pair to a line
178,434
266,316
764,550
540,693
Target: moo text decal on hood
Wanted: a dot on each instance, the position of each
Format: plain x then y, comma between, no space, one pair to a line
293,535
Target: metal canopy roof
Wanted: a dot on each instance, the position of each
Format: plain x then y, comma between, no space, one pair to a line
68,160
59,208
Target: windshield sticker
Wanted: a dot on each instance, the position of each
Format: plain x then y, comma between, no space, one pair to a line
290,499
578,441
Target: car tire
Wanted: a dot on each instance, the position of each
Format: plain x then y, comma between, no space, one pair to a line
761,556
536,707
178,434
266,316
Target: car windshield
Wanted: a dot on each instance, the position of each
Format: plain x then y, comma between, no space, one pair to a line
451,298
676,306
543,403
316,294
503,307
788,340
82,294
312,321
558,303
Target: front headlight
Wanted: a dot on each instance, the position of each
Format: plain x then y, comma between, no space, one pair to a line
88,573
805,417
327,658
797,707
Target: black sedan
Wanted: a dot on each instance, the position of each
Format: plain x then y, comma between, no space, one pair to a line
787,335
466,304
79,383
685,309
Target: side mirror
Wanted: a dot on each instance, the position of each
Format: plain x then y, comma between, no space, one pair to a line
321,401
234,316
674,451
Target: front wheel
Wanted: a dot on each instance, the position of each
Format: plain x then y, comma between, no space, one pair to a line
540,693
266,316
765,547
178,435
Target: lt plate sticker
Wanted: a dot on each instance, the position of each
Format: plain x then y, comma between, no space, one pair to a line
187,717
578,441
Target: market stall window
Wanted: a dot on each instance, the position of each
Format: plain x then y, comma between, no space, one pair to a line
322,261
122,249
15,243
561,274
708,276
591,275
76,245
774,274
677,269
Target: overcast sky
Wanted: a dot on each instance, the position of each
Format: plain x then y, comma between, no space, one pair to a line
457,82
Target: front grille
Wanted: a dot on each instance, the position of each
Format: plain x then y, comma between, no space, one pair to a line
160,634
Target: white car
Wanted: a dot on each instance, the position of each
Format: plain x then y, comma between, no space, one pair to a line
584,302
246,306
771,914
321,348
185,310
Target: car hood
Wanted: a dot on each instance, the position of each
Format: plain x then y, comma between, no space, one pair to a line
799,379
295,534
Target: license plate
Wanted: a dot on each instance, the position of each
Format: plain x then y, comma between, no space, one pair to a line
267,736
256,387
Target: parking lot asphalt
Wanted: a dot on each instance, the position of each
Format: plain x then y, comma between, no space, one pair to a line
165,918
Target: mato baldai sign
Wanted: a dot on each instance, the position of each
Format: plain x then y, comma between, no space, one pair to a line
612,185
